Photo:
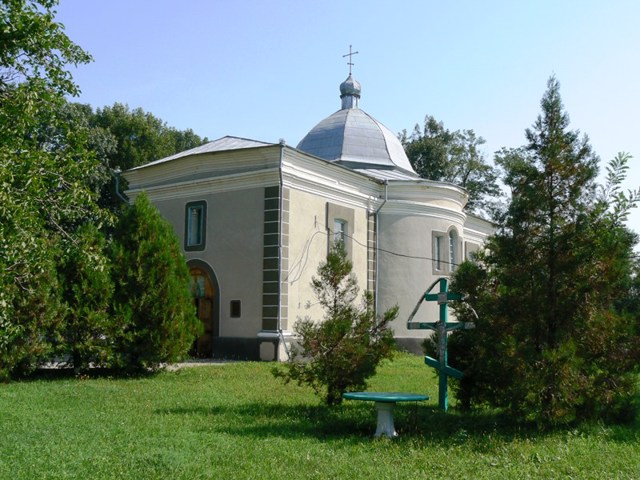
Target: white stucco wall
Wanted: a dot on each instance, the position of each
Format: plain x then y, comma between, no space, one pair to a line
405,274
308,244
234,241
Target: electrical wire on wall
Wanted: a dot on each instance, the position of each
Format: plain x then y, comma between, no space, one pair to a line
296,270
301,262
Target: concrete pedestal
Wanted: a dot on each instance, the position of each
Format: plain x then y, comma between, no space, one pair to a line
385,420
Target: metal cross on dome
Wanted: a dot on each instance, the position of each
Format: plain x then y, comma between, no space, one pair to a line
442,327
350,55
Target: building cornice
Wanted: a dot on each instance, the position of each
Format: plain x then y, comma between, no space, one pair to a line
204,166
428,191
201,187
395,207
478,229
259,167
318,176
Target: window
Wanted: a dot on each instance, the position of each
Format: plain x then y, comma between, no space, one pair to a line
340,225
195,226
446,251
453,254
340,232
437,252
196,219
235,306
471,249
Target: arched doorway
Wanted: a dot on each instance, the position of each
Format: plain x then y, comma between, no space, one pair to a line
206,297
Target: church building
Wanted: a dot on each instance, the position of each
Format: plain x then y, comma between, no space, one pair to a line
256,219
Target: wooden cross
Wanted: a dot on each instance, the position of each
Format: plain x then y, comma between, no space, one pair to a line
350,55
442,326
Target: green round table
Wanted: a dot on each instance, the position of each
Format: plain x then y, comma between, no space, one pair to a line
385,402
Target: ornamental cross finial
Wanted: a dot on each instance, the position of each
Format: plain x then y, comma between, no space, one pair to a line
350,55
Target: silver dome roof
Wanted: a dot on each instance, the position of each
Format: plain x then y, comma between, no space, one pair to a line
350,87
354,138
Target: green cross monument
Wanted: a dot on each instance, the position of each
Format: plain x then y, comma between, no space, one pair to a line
442,326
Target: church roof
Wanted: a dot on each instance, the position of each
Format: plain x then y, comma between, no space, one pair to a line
219,145
354,138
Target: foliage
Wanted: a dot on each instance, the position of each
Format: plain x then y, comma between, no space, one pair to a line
87,328
99,141
152,299
140,136
455,157
29,304
55,278
340,353
34,49
116,137
121,138
552,342
43,196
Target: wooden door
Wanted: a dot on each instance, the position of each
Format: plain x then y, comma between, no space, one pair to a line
203,297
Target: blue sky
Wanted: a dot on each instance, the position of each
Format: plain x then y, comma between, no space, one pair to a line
271,69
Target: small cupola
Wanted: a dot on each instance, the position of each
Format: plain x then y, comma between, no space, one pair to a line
350,93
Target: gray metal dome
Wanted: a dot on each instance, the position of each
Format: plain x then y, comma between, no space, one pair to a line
350,87
354,138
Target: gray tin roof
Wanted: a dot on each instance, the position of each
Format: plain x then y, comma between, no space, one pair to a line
352,137
219,145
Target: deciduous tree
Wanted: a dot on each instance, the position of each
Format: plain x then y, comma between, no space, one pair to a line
141,137
43,196
455,157
55,285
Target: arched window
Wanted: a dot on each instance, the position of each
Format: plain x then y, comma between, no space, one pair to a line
453,250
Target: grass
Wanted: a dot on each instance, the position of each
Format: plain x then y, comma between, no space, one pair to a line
236,421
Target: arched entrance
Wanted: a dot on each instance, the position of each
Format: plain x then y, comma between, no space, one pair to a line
206,296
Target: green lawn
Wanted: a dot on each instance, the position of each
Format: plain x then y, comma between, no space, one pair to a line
237,421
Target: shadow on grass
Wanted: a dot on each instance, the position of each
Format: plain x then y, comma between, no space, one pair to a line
269,420
68,373
355,423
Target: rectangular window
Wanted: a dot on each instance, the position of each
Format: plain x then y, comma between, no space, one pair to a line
236,308
437,252
471,249
195,226
196,218
340,231
341,226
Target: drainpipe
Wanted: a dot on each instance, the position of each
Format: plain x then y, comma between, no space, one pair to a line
376,215
280,333
117,173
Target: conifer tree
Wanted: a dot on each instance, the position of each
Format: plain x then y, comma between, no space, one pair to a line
152,299
550,344
87,328
339,353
